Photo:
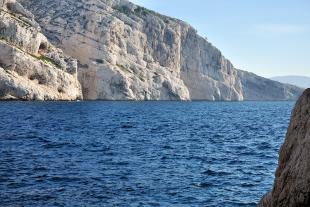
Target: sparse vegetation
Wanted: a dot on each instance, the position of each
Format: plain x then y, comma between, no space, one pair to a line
141,78
123,9
141,11
41,57
123,68
47,60
2,66
21,22
99,61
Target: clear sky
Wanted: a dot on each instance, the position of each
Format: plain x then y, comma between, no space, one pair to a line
267,37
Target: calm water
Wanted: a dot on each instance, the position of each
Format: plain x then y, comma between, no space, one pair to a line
139,153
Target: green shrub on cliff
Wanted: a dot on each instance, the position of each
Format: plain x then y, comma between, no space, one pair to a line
123,9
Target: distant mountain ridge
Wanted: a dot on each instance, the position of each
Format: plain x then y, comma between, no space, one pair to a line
127,52
300,81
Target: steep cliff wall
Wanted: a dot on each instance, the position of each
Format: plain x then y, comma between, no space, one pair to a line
30,67
257,88
292,183
127,52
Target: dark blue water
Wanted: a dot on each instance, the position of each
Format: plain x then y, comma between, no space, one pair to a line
139,153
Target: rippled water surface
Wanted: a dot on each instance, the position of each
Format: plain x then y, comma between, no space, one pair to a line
139,153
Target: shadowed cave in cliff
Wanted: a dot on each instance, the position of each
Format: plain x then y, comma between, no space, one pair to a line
42,48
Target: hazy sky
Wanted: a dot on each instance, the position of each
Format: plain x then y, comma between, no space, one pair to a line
267,37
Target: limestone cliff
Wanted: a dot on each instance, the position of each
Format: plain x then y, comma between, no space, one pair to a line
127,52
292,183
30,67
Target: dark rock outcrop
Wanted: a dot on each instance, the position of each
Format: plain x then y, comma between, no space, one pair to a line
292,183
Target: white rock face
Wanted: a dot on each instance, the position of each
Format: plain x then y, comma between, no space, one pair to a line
127,52
30,67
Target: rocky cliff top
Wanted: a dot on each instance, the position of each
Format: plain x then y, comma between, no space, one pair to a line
292,183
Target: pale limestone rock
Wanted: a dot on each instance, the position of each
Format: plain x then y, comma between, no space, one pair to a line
127,52
292,183
30,67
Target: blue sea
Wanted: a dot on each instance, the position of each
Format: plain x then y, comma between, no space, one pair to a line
139,153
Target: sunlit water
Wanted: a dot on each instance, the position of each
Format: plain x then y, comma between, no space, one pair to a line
139,153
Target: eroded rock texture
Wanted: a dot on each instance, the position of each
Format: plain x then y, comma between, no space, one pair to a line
127,52
30,67
292,183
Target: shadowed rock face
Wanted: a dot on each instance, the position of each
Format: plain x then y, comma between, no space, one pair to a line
292,183
30,67
127,52
257,88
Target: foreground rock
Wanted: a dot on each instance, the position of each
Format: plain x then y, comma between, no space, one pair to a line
127,52
292,182
30,67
